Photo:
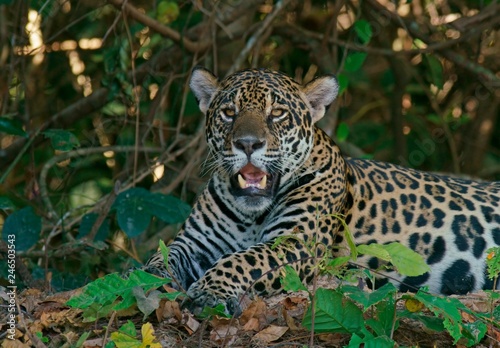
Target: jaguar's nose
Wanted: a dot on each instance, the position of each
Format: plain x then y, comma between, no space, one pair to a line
249,144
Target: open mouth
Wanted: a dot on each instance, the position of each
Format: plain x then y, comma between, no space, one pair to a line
252,181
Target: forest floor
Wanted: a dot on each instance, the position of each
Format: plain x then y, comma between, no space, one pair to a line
47,321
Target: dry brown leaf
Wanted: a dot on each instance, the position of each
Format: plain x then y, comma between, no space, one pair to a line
292,302
189,323
256,310
14,344
252,325
290,321
224,335
271,333
94,343
169,311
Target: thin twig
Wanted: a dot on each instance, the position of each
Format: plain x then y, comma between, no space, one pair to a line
254,39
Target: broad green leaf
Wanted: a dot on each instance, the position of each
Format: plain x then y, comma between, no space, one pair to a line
432,323
363,30
435,70
96,311
374,249
342,132
12,126
385,312
405,260
106,290
6,204
334,313
88,221
338,262
446,308
354,61
290,280
6,2
132,211
168,208
474,332
25,225
61,139
368,299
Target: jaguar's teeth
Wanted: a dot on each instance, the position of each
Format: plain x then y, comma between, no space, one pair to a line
242,182
263,182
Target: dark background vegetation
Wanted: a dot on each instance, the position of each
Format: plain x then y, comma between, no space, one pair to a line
94,101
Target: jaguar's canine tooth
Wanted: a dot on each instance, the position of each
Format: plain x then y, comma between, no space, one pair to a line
241,181
263,182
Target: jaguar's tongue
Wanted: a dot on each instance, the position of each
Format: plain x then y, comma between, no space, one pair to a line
251,176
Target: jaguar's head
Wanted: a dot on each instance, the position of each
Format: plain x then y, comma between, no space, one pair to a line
260,128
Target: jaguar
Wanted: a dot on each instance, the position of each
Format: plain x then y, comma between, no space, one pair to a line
276,174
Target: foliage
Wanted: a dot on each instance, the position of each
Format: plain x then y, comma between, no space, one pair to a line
344,310
126,337
114,293
100,140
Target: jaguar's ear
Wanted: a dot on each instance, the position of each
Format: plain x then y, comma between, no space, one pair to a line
204,84
320,93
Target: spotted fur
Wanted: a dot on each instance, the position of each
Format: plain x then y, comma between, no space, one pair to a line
262,123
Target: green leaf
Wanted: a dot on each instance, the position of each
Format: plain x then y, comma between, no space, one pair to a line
374,249
12,126
363,30
474,332
343,81
6,2
132,211
432,323
167,11
25,225
446,308
6,204
334,313
354,61
128,328
61,139
385,312
368,299
113,292
435,72
342,132
165,250
290,280
88,221
405,260
168,208
209,312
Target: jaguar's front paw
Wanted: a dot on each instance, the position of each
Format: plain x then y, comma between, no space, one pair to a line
204,296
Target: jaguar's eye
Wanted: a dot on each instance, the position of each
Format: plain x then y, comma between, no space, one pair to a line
278,113
228,112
